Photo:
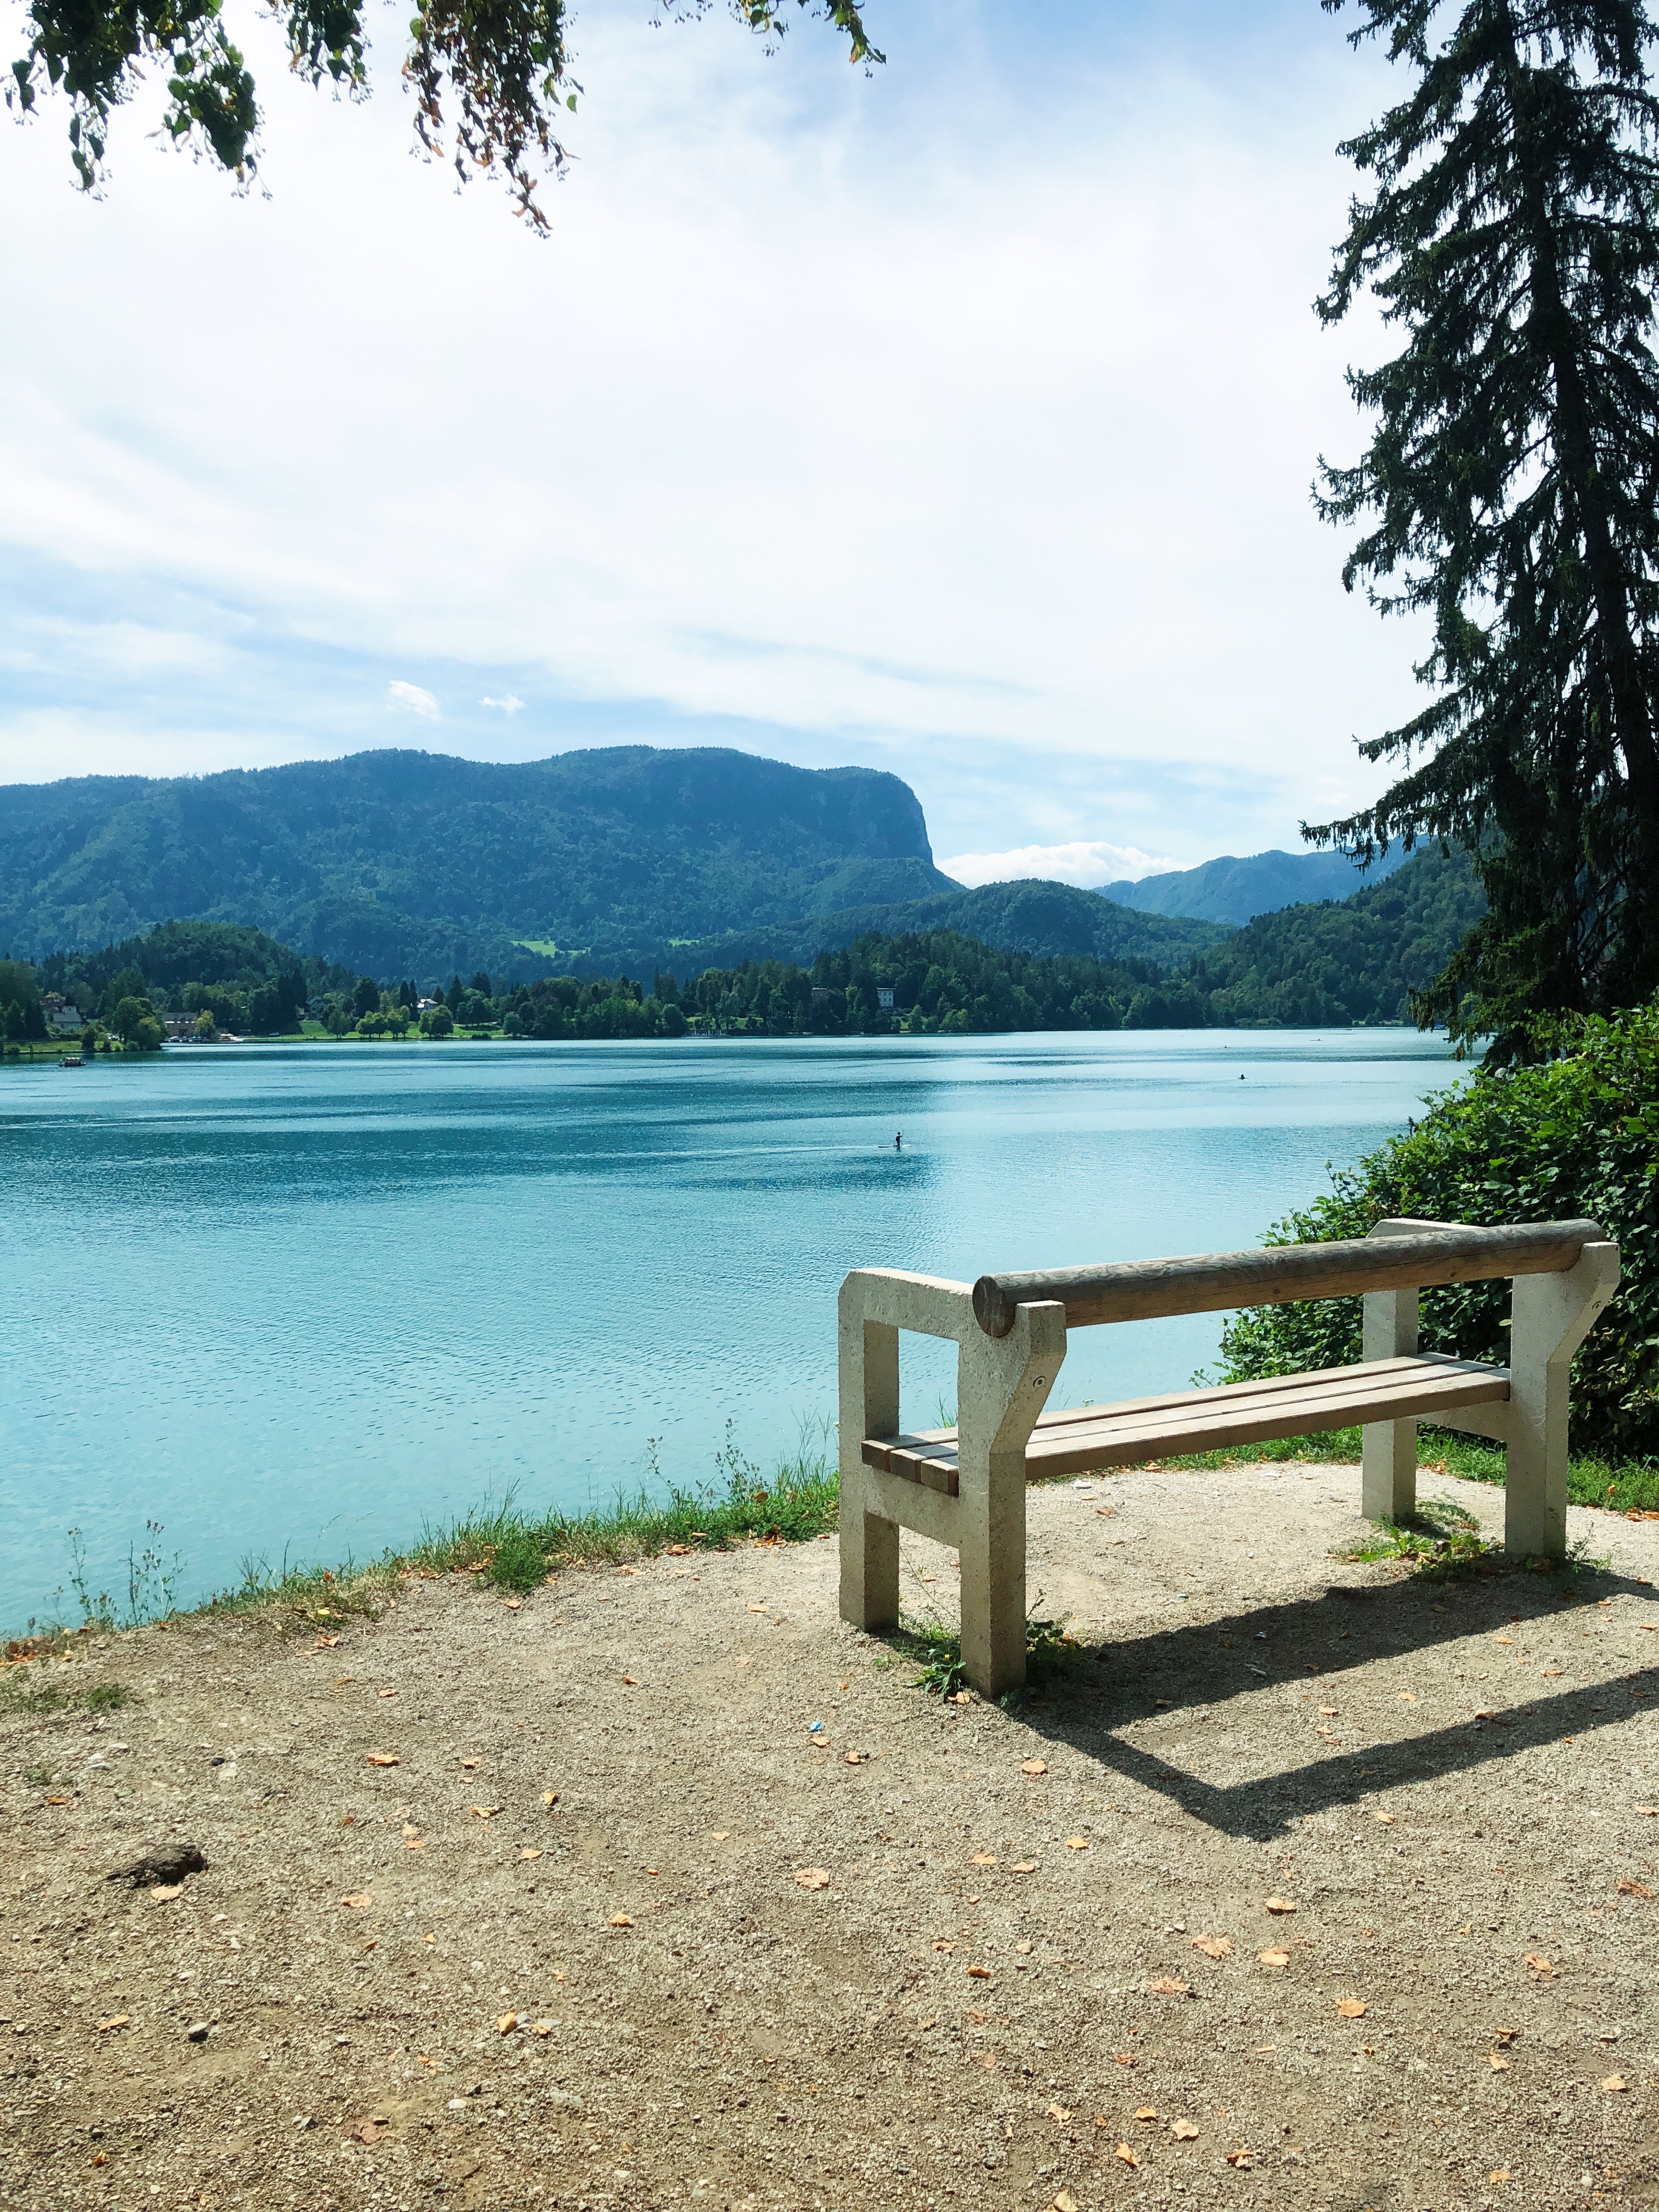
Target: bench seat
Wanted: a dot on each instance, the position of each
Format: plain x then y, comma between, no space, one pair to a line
1086,1438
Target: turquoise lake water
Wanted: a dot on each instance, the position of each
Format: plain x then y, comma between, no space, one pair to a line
296,1300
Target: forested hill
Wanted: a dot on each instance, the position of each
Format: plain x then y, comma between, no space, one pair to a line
1354,960
409,863
1043,920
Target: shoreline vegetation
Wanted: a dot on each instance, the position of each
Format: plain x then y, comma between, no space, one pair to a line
1341,964
514,1550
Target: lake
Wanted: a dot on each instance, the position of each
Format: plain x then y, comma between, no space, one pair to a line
293,1301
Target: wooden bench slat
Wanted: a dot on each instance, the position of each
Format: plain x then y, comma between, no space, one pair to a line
1078,1439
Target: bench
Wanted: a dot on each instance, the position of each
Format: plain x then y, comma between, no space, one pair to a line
965,1486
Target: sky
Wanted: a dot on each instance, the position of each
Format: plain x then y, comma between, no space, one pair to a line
958,419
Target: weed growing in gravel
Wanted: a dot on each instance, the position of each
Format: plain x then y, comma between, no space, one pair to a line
1049,1648
1442,1541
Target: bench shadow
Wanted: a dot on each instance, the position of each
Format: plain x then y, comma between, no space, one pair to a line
1206,1664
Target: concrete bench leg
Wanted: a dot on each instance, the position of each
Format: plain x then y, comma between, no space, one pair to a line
1550,1317
869,1408
1388,1476
1002,1385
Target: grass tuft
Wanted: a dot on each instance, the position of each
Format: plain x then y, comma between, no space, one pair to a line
22,1691
514,1550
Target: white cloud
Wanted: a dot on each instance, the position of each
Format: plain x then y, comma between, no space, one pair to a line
1087,863
959,420
416,699
510,706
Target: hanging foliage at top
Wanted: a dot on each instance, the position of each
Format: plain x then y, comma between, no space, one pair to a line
491,78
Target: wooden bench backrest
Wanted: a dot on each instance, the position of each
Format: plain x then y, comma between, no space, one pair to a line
1211,1282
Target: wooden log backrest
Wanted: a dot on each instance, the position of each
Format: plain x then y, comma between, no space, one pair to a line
1212,1282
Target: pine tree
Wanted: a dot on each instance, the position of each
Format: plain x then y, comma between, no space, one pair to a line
1510,486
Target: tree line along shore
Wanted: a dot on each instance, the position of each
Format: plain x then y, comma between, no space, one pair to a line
1356,961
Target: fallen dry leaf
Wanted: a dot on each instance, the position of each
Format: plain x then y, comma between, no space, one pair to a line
1024,1866
358,1902
1614,2083
486,1812
512,1603
1328,1712
1059,2113
1281,1905
115,2019
944,1943
325,1643
1214,1947
1146,2112
507,2023
383,1758
1540,1966
1077,1843
1497,2061
759,1609
812,1877
543,2027
1183,2130
1387,1819
1352,2008
549,1796
1065,2201
1129,2156
469,1764
1500,2175
1634,1889
1168,1986
621,1920
1241,2157
979,1974
1273,1958
852,1757
1407,1697
630,1681
530,1852
985,1858
1034,1766
164,1891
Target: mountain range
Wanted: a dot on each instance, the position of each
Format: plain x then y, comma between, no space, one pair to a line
1236,891
631,861
410,864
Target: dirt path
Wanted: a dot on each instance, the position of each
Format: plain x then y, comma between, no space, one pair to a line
1044,1969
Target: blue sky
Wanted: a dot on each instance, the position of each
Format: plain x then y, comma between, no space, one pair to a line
957,420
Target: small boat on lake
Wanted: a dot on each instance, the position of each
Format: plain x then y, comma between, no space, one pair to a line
70,1060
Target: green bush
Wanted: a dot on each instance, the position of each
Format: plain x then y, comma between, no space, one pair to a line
1575,1137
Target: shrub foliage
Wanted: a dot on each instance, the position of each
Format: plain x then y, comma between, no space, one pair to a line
1575,1136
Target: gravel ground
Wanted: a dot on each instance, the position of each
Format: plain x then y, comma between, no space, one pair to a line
1254,1907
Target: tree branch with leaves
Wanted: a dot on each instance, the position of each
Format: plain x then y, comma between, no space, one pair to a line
490,77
